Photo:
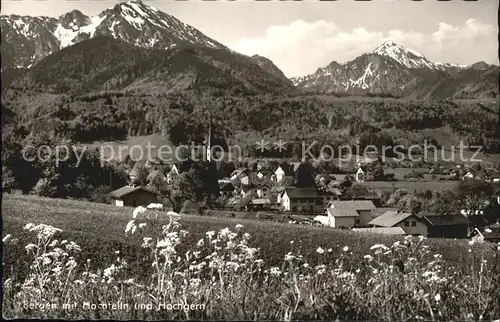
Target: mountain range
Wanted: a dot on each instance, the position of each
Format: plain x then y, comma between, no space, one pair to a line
134,47
395,70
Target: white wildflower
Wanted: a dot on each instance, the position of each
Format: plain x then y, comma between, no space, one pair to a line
258,261
437,298
154,206
29,226
142,225
224,232
320,250
345,248
368,257
377,246
6,238
210,234
130,226
200,243
139,210
54,242
239,227
30,247
329,250
275,271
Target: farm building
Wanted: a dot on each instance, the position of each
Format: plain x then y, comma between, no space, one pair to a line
350,213
446,226
330,194
258,204
133,196
410,223
301,199
490,234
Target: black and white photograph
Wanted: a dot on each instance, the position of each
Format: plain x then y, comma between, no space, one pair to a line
250,160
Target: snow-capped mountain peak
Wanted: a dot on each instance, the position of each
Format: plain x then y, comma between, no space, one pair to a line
33,38
407,57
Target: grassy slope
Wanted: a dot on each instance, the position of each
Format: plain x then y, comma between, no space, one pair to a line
99,230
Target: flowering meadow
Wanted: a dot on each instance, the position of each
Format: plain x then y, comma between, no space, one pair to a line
223,275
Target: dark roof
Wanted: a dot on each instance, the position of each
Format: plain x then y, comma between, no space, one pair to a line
226,186
390,219
446,220
297,193
330,192
125,190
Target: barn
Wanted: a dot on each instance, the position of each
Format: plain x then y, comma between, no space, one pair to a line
447,226
133,196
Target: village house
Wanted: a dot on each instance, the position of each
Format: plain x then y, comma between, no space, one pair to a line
468,175
279,174
238,173
259,204
490,234
172,173
285,170
410,223
226,188
350,213
330,194
264,191
360,175
245,191
133,196
338,178
301,200
446,226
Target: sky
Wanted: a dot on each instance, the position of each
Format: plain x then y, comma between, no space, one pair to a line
300,37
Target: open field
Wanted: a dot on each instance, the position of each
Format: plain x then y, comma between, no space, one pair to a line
99,228
390,186
323,274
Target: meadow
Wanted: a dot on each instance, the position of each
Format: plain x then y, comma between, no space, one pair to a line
410,186
66,251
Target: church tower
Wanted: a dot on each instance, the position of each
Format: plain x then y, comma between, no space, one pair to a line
208,142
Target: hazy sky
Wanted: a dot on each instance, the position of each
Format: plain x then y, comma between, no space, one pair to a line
300,37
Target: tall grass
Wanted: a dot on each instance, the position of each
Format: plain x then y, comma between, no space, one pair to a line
222,276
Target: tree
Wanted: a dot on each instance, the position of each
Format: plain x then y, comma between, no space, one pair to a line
378,173
305,176
473,195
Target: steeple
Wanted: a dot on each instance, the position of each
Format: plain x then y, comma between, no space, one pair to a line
209,139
